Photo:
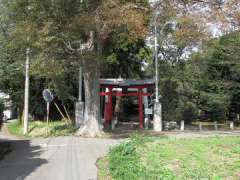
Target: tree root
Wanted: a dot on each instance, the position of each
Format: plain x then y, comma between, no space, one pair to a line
90,129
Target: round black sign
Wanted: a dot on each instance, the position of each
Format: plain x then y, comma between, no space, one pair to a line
47,95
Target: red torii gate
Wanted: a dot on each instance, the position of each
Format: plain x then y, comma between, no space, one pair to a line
124,85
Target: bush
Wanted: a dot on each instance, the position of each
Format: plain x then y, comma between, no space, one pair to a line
170,99
235,99
216,106
124,161
41,129
187,111
1,112
217,110
190,112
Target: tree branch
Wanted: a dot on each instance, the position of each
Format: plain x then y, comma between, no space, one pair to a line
88,46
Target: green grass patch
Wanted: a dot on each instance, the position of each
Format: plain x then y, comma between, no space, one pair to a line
166,158
103,172
41,129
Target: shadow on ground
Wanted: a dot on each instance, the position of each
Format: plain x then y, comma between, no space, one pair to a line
127,129
23,159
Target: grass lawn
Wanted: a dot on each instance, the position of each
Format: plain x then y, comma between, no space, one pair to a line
167,158
39,129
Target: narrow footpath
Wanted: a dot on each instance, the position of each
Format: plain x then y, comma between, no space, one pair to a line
60,158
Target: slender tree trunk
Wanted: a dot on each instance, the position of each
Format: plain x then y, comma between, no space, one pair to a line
91,125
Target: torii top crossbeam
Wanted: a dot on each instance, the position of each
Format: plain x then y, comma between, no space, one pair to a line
127,83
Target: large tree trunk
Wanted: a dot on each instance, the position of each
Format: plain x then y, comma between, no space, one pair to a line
91,125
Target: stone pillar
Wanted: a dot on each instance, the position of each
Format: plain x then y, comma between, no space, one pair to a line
200,126
157,121
79,113
146,121
113,123
231,125
182,126
216,125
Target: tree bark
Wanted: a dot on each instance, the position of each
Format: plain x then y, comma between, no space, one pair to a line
91,125
91,72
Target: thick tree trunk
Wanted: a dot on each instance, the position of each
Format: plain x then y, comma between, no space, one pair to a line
91,125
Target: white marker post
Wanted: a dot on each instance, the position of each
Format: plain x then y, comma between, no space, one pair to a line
182,126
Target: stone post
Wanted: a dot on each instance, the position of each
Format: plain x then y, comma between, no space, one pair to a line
146,121
182,126
200,126
231,125
157,121
216,125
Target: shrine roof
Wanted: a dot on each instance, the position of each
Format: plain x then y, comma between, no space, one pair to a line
126,82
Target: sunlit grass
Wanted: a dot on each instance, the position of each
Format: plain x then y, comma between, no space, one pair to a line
41,129
165,158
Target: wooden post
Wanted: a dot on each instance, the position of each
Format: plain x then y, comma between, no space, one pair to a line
140,105
110,104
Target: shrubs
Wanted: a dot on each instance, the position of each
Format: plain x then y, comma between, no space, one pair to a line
41,129
1,112
174,107
124,161
188,112
170,99
217,110
215,106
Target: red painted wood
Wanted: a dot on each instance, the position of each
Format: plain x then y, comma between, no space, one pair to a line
122,94
108,113
140,107
110,104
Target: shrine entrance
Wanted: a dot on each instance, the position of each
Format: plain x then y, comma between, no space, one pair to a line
125,88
